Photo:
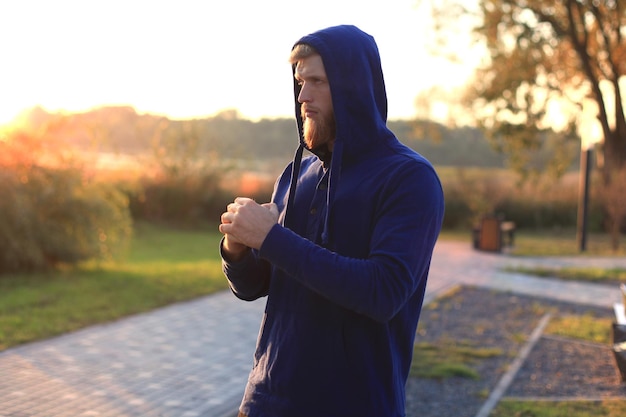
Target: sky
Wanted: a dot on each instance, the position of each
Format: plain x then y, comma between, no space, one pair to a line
195,58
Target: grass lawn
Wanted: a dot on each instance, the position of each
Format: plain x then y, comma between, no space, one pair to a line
606,408
163,266
448,358
560,242
589,274
563,243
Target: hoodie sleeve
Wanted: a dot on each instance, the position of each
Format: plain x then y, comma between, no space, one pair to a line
248,278
403,234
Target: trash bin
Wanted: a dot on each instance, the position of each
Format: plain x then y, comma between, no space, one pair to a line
490,235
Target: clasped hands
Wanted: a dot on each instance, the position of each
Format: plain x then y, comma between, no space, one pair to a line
245,224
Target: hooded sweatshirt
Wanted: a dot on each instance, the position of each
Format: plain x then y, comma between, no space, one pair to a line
345,269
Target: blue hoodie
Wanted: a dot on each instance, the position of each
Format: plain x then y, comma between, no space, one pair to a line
346,267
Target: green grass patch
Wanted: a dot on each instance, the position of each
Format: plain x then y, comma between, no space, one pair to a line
589,274
514,408
446,359
562,243
163,266
585,327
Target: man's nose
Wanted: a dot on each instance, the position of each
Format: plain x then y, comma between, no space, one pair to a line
304,96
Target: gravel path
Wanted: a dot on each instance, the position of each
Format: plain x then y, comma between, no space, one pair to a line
556,367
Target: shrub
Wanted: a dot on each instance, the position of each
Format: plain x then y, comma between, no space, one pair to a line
195,197
181,200
472,194
53,214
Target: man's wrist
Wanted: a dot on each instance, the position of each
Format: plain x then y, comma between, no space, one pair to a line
233,252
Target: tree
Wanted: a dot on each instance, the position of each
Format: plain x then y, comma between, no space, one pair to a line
544,61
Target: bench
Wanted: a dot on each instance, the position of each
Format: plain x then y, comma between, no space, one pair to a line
619,339
508,233
620,313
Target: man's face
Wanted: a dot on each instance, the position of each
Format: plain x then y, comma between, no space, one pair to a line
317,104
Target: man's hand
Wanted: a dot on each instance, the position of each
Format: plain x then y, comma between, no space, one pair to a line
246,223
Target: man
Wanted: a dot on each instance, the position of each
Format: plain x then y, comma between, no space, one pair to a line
342,251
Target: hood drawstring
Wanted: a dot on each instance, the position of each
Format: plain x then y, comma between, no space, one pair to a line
334,174
295,172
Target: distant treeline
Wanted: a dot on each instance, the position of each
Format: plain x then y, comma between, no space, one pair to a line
227,135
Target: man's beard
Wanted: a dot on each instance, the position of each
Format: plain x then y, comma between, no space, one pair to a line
319,132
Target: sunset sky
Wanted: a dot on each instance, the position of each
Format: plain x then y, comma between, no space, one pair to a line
193,58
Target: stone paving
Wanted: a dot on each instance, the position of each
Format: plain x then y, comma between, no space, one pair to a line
456,263
191,359
186,360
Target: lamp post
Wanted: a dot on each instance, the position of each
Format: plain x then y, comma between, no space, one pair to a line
590,134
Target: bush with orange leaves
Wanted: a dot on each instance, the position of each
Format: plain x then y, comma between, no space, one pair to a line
51,212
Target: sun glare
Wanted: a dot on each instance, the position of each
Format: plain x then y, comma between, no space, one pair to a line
7,117
197,67
10,122
5,130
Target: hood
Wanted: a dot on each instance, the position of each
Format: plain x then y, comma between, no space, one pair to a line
353,68
354,71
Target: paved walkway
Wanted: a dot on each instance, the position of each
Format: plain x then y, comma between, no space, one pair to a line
192,359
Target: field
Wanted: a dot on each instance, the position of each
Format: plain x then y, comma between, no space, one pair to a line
163,266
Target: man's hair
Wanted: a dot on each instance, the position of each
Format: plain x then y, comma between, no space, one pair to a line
300,52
